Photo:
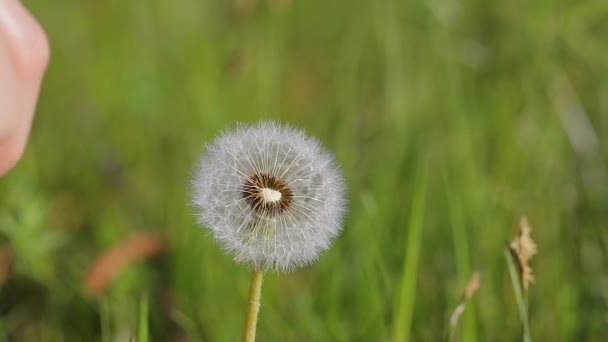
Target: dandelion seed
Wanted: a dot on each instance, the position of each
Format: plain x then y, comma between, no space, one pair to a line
271,195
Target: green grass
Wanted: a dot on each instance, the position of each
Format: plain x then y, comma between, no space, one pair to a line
143,329
504,102
520,295
407,296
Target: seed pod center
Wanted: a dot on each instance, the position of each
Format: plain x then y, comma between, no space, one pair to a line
266,194
270,195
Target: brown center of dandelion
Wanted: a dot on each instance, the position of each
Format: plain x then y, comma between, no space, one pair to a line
267,194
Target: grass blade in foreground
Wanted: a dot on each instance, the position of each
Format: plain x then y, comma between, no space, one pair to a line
519,295
405,308
142,326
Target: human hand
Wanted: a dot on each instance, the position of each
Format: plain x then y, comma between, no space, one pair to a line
24,54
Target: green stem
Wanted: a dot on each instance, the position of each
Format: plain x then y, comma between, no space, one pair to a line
519,295
253,307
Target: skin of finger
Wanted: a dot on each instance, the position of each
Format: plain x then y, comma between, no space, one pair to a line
8,96
27,48
12,149
25,39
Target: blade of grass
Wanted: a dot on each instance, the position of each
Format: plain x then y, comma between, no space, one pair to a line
142,326
519,294
3,331
405,308
105,320
461,251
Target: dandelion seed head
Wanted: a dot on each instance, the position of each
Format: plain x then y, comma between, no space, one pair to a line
270,194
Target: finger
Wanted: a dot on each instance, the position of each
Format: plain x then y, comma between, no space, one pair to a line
26,54
28,50
11,149
26,40
8,93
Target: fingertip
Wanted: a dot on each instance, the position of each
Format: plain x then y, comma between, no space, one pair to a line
11,151
27,40
36,54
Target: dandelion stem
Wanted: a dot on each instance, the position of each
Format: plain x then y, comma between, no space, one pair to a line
253,306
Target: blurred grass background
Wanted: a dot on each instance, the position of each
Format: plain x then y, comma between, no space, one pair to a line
451,119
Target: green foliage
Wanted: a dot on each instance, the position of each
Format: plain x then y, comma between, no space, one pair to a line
32,241
506,103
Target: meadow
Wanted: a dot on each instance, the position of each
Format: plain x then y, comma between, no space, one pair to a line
450,120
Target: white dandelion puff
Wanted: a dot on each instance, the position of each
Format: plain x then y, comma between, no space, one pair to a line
271,195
